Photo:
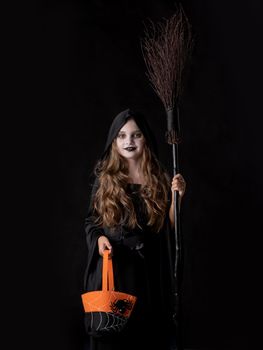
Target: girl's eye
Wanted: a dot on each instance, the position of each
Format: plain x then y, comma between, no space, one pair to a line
137,135
121,136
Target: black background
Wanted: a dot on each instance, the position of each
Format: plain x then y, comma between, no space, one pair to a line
87,66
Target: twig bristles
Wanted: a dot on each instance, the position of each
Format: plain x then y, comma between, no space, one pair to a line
166,48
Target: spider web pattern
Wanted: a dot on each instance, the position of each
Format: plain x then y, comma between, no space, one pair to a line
98,323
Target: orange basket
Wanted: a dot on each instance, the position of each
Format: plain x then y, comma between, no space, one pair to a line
107,311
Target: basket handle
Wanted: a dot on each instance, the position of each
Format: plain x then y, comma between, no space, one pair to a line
107,272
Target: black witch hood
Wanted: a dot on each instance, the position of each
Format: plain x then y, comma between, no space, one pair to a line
120,120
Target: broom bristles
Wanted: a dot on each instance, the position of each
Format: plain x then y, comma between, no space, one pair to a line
166,48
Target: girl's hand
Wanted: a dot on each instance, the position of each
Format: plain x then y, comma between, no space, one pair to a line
104,243
178,184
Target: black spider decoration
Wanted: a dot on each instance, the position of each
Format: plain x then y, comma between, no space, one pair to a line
121,306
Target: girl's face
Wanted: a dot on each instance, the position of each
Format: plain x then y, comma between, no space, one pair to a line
130,141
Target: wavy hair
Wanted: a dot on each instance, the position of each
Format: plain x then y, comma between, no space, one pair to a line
113,205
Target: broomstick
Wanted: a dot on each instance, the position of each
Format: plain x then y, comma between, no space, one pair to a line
166,48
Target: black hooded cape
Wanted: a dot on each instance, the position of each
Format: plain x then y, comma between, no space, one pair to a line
142,261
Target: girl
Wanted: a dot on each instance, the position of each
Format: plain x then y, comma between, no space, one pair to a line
132,215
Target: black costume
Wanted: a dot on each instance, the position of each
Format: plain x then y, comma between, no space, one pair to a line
142,261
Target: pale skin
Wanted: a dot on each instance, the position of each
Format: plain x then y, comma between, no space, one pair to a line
130,142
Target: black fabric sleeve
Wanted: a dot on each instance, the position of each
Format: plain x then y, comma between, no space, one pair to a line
93,232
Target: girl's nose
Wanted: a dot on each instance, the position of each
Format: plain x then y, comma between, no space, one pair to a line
130,139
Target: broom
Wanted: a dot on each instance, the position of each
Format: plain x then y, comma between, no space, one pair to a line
166,49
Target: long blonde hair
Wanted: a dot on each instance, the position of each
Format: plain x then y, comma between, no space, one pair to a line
113,205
